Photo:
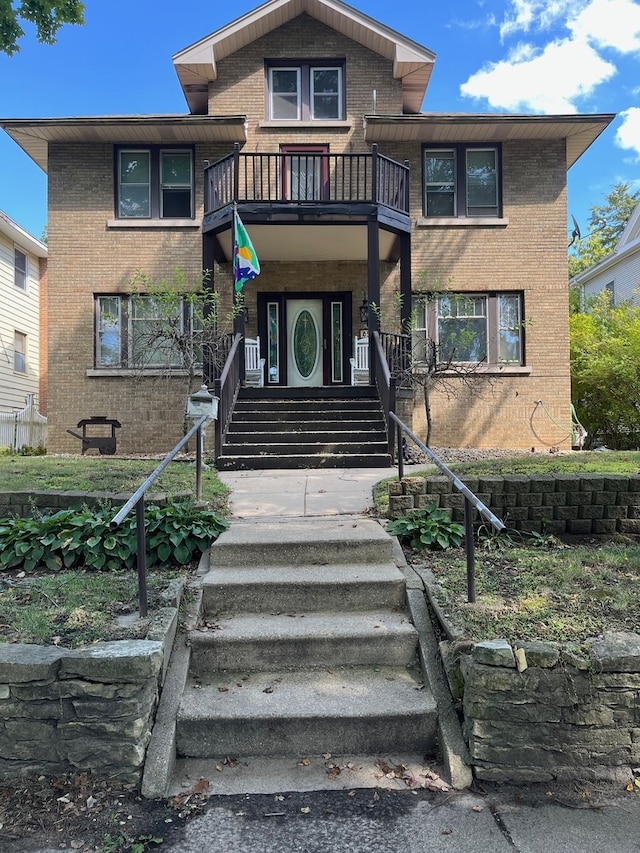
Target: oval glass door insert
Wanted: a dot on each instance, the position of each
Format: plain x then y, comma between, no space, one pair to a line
305,343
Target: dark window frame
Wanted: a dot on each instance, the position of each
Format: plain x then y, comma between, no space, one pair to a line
155,180
304,67
125,337
460,185
426,325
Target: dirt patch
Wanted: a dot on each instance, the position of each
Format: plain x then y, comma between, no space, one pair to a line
84,813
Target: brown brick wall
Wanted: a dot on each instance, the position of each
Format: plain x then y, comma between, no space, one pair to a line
528,254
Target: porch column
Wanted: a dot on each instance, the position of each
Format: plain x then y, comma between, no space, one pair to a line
373,287
208,368
405,282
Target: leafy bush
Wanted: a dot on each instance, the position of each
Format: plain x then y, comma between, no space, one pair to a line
430,527
176,534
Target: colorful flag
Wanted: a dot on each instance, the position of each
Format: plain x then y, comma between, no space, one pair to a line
246,265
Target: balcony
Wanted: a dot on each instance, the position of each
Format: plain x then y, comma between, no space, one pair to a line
308,189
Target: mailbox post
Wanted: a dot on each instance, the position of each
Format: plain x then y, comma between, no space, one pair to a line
199,404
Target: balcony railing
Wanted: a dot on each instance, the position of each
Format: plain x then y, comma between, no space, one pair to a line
306,178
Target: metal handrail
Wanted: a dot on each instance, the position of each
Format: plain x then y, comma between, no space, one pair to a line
470,501
137,500
385,384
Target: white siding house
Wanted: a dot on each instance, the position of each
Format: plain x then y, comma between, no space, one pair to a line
22,271
619,272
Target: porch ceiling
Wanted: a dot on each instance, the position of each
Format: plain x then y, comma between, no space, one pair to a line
293,243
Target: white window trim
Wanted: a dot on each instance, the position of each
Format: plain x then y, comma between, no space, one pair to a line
17,248
312,92
24,352
298,71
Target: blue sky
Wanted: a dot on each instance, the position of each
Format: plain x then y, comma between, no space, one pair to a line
517,56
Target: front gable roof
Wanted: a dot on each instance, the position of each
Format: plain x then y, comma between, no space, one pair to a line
197,65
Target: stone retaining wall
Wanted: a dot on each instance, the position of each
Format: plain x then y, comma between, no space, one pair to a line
543,714
89,708
578,504
26,504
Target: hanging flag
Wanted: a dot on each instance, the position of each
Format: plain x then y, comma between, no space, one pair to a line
246,265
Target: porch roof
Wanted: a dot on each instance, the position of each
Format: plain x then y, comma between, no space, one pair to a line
579,131
33,135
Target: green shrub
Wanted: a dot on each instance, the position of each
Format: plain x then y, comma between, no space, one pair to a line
430,527
176,534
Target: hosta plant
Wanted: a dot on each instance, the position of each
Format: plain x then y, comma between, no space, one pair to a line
430,528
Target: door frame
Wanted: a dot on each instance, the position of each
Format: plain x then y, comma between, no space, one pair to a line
343,298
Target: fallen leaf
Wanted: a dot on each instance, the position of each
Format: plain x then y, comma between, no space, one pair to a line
305,809
305,762
477,808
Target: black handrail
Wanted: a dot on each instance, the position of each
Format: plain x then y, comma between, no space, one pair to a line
306,178
137,500
385,383
226,389
470,501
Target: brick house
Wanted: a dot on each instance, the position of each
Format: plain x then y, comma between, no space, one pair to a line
366,215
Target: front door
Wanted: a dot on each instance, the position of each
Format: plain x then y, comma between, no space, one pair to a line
305,338
306,342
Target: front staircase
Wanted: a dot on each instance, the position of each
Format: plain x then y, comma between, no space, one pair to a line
305,428
304,649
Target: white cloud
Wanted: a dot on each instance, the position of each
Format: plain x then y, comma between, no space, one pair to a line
609,24
546,81
526,15
628,134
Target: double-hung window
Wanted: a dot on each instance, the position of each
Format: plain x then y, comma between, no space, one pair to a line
141,332
19,269
154,183
19,352
462,181
475,328
299,91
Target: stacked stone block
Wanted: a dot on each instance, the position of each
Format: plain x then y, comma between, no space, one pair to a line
577,504
90,709
566,715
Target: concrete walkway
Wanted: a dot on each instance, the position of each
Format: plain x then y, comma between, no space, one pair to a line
305,493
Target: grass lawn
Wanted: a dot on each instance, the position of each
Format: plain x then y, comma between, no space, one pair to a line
72,608
107,474
540,587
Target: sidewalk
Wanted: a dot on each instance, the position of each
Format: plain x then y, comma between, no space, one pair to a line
305,493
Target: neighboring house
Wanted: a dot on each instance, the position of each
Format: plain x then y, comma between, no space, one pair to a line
305,115
619,272
23,281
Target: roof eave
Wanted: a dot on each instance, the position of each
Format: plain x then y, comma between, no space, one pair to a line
35,135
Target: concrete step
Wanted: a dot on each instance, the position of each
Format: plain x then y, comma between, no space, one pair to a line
281,589
259,641
304,542
290,462
302,713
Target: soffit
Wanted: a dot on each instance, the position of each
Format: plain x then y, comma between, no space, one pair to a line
34,135
579,131
196,65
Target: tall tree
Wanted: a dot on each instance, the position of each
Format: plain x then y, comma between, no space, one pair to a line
47,16
605,371
606,224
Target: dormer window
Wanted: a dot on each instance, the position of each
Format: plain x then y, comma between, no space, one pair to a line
298,91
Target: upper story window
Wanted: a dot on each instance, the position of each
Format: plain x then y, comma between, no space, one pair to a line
154,183
300,91
469,328
19,269
462,181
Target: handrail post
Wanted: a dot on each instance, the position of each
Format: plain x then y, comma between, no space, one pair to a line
141,557
199,464
236,171
400,457
470,551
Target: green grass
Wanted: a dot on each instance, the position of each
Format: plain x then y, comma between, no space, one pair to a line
73,608
548,591
105,474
